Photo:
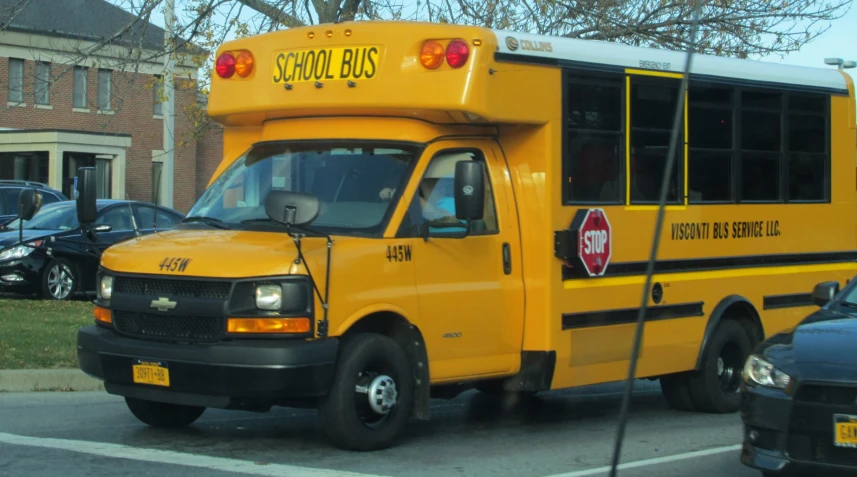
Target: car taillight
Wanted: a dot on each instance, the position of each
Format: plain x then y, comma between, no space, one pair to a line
225,65
457,53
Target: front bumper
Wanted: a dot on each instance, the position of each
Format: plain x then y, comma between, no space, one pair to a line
788,436
247,374
20,274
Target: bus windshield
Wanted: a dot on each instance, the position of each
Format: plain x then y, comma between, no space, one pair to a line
352,180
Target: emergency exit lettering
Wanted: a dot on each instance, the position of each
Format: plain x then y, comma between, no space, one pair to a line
725,230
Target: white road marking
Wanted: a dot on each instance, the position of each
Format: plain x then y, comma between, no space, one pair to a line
648,462
118,451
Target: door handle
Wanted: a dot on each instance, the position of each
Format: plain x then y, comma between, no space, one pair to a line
507,259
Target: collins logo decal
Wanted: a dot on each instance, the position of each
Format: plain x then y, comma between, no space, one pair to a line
511,43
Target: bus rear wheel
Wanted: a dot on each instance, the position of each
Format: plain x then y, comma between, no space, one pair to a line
716,387
372,396
675,389
161,414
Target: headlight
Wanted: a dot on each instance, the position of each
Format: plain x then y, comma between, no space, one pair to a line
106,288
269,297
18,251
757,371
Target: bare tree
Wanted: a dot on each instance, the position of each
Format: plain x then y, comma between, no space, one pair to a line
737,28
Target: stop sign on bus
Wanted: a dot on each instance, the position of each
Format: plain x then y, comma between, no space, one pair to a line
591,242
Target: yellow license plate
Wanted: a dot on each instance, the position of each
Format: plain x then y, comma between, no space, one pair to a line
845,430
353,63
151,372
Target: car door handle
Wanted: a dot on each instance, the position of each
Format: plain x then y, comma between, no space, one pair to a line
507,259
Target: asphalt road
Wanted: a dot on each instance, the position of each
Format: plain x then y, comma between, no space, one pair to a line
560,434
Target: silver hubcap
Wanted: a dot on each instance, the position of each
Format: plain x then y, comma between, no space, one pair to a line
381,394
60,281
720,366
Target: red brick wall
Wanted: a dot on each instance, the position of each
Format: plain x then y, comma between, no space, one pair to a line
209,153
133,104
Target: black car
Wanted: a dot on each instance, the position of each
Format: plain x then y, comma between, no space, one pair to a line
71,266
10,190
799,392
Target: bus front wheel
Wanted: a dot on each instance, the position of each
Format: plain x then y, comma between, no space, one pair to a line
161,414
372,396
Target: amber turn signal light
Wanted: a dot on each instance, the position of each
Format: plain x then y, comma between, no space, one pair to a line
268,325
102,315
244,64
431,55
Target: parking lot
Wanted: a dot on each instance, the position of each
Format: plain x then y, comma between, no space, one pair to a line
560,434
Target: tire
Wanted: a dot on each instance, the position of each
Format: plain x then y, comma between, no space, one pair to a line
161,414
368,363
675,390
59,281
716,388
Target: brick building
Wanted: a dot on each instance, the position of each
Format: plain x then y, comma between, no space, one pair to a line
67,107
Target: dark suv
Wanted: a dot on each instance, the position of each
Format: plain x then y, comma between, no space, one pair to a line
11,189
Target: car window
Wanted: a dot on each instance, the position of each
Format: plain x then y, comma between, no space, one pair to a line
57,216
165,219
48,198
119,218
9,200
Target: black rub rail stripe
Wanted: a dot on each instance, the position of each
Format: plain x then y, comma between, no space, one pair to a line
723,263
624,316
794,300
539,60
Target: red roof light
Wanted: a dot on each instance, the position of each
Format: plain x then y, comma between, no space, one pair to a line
225,65
457,53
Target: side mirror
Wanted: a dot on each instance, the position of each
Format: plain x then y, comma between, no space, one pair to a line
824,292
103,228
291,208
86,211
29,203
469,190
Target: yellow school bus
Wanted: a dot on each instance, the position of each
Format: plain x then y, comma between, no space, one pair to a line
405,210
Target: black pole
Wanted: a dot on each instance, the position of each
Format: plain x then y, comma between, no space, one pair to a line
638,337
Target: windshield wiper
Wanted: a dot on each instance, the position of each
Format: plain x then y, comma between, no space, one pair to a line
207,221
848,304
305,230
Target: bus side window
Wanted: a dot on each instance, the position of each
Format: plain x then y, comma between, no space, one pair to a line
710,143
653,105
593,163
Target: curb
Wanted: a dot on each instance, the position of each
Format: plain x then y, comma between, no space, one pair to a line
30,380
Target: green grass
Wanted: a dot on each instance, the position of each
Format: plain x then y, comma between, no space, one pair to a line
41,333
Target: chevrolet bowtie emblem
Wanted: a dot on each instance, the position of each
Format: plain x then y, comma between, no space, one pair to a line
163,304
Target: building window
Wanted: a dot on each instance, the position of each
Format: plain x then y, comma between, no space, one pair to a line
43,83
105,89
157,170
16,80
80,87
157,89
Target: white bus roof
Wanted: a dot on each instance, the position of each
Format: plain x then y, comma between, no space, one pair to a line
569,51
